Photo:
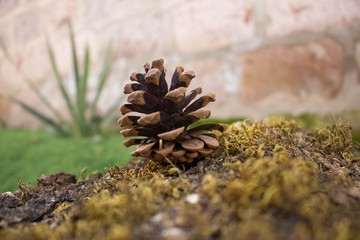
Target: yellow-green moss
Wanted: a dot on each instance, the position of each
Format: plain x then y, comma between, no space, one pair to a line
331,146
271,191
268,180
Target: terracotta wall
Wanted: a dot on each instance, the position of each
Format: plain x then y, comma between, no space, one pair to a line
258,56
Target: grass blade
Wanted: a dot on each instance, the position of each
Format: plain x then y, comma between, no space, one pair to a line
103,77
74,57
4,48
61,83
84,82
78,83
40,116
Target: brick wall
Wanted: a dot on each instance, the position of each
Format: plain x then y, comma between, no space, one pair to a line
258,56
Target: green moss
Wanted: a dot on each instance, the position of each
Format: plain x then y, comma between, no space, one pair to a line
268,180
259,196
331,146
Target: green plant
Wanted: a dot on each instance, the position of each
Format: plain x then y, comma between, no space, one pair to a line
84,120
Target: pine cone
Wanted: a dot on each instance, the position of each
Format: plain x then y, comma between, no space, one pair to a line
166,116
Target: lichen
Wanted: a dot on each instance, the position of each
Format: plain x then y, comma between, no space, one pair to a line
268,180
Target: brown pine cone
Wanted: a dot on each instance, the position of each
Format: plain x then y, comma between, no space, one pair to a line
166,115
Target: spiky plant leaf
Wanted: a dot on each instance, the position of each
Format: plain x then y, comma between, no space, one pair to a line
60,83
40,116
105,71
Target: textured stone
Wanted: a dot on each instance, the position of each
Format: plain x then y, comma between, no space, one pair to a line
201,35
289,16
134,38
314,68
11,79
55,14
209,74
6,32
13,83
6,6
200,25
36,62
97,10
27,27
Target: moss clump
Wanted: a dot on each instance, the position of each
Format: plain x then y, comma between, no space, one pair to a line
279,197
330,147
268,180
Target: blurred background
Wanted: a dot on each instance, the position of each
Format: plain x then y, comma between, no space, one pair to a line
299,59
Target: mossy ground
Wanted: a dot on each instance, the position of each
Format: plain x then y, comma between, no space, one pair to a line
268,180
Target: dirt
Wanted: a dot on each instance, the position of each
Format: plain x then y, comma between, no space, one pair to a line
34,204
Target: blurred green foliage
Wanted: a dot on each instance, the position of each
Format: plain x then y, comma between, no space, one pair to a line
84,121
26,154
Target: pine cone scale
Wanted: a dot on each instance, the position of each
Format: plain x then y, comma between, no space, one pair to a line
178,153
159,64
131,142
151,119
193,117
166,150
200,103
188,98
192,144
171,135
175,78
152,76
128,121
144,149
209,141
